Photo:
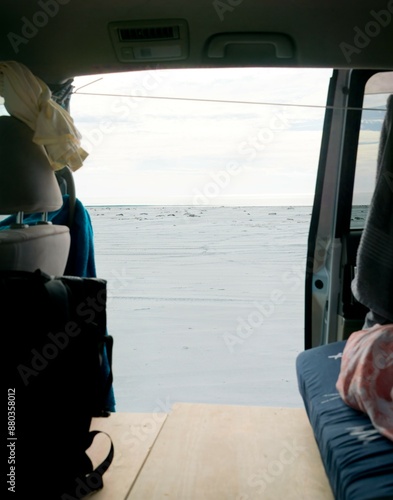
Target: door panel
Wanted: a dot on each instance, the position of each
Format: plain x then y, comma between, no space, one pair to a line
331,312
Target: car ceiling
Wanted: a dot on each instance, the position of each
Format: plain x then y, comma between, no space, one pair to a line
74,39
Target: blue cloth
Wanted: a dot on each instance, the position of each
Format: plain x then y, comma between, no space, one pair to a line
358,459
81,259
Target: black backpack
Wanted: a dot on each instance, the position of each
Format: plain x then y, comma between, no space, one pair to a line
56,341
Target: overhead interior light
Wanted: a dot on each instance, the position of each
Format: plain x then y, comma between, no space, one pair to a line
155,40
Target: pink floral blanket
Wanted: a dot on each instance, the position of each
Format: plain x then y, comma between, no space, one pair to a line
365,381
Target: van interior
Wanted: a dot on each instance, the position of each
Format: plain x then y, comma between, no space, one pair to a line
334,440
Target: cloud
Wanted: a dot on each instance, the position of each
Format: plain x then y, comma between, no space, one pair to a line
168,148
144,147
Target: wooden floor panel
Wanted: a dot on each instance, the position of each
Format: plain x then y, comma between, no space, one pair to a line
214,452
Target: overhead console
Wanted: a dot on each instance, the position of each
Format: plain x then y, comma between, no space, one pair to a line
168,41
153,40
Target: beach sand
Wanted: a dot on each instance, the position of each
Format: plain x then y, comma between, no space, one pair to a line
205,304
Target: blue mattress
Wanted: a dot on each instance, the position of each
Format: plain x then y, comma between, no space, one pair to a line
358,460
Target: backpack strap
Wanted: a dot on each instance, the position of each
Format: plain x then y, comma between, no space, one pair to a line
104,465
93,481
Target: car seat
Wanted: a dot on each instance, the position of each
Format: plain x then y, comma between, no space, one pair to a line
28,185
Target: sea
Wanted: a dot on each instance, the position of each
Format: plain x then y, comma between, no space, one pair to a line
205,303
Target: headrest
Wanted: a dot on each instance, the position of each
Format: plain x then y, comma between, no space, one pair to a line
27,181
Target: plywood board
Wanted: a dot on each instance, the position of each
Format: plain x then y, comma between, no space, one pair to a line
133,435
214,452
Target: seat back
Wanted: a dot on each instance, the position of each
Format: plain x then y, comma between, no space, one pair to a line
28,185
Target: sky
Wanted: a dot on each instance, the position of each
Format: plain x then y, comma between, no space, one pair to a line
240,136
186,149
